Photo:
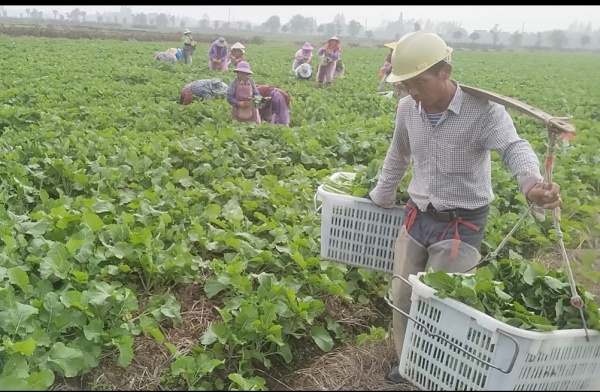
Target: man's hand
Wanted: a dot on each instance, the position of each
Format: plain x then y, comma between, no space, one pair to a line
545,196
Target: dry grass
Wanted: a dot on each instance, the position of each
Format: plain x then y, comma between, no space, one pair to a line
150,358
350,368
345,368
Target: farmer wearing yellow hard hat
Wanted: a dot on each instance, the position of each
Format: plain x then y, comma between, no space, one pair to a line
449,135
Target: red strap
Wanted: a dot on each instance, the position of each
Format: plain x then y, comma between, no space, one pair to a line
411,217
456,242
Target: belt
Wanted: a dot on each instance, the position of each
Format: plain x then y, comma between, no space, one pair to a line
453,214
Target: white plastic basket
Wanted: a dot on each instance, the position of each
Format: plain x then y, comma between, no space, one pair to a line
509,358
356,231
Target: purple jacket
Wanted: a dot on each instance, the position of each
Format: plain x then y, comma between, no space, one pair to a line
334,55
218,52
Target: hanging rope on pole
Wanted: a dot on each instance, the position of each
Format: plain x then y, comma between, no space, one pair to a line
557,128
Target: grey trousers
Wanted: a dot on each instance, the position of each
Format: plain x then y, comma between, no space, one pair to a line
428,243
187,55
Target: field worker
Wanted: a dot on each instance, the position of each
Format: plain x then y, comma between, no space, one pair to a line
205,89
189,46
303,72
240,93
165,56
304,55
236,54
329,54
386,68
449,136
177,52
217,55
276,110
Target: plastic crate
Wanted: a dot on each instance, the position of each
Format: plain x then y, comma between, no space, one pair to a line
356,231
543,361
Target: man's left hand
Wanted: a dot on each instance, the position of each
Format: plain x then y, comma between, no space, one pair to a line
546,196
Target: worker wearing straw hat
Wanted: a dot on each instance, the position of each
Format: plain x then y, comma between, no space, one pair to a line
448,135
166,56
236,54
240,93
217,55
276,108
329,54
189,46
177,52
304,55
303,72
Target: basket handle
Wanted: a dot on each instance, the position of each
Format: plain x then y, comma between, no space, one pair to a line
433,334
317,209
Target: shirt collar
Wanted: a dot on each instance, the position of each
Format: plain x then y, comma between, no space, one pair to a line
457,100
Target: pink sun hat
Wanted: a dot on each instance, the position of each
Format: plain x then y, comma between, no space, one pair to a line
244,67
307,46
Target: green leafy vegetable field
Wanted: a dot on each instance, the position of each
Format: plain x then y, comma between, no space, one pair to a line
133,224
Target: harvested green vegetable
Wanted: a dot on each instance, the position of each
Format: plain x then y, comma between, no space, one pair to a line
520,293
364,180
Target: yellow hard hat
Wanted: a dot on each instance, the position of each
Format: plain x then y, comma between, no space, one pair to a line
415,53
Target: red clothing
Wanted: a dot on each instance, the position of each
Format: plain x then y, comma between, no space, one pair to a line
265,90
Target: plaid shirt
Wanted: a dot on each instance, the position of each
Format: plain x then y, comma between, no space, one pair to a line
206,88
452,161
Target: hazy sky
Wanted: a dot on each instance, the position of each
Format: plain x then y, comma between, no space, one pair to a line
509,18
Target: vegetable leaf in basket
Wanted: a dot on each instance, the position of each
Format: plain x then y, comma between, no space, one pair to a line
519,293
365,179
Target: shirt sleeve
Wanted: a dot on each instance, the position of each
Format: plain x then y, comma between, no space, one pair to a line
231,93
211,51
335,55
320,52
395,164
499,134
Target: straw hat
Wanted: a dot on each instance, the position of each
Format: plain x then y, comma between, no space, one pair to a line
187,31
238,45
334,38
307,46
304,70
391,45
243,67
